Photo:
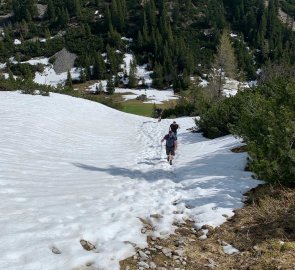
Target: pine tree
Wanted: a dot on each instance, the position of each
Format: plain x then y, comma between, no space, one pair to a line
47,34
51,11
100,88
77,8
82,76
99,68
24,9
108,19
69,82
158,76
132,75
225,61
110,86
10,75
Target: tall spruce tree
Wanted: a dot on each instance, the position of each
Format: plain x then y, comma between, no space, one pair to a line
110,85
132,74
225,64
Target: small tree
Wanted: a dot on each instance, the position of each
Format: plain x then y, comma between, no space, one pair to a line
100,88
132,75
82,76
110,86
225,64
69,82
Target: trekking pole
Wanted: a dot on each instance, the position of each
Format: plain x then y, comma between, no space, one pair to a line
161,152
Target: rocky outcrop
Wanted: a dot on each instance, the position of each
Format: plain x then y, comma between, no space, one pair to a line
64,61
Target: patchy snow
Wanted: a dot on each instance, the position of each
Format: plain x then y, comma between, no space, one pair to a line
142,74
92,88
231,87
153,95
72,169
36,61
229,249
17,42
49,76
203,82
127,39
128,58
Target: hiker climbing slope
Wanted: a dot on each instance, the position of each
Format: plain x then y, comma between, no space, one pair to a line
171,141
174,127
159,112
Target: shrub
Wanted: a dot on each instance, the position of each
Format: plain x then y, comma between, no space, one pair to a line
219,117
267,125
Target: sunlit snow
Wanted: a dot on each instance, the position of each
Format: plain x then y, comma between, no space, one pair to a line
72,169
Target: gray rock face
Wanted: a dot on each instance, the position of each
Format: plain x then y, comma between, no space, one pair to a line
64,61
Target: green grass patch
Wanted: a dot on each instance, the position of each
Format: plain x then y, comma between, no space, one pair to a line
138,107
144,109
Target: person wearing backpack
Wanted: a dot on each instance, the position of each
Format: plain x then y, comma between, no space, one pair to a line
171,141
174,127
159,112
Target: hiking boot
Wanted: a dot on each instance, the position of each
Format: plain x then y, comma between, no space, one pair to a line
170,161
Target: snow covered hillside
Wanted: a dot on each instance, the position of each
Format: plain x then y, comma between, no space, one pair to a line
72,169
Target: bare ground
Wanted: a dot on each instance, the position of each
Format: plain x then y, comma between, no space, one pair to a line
263,232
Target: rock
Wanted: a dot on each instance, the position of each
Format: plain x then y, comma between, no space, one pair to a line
143,255
55,250
153,265
208,227
211,264
167,252
178,252
87,245
199,233
157,216
64,61
179,242
143,264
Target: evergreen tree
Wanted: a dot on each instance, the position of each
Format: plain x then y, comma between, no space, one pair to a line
110,85
82,76
77,8
69,82
225,61
10,75
158,80
100,88
132,75
24,9
99,68
51,15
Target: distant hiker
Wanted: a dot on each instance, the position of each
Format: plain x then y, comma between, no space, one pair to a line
171,141
159,112
174,127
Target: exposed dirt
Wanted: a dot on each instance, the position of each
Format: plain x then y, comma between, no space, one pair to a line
263,232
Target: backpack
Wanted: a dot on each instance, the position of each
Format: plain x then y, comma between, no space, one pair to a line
170,141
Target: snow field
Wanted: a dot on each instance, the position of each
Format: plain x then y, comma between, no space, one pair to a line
72,169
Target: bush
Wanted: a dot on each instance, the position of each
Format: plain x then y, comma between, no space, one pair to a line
267,125
219,118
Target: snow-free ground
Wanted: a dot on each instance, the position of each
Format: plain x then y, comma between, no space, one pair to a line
72,169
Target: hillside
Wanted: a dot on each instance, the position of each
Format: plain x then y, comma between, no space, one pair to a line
176,40
66,180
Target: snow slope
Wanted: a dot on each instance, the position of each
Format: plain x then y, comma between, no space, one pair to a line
72,169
